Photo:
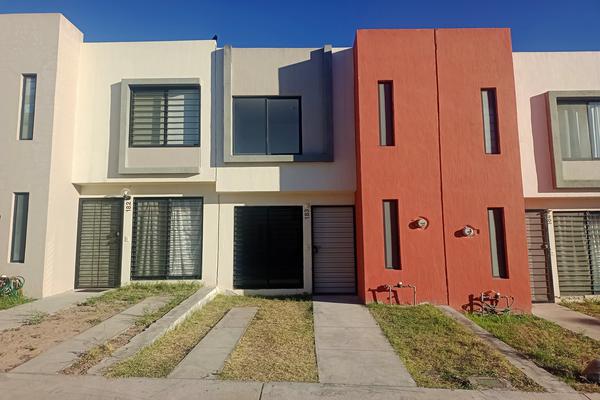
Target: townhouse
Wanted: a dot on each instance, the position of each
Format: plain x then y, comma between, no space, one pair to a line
435,158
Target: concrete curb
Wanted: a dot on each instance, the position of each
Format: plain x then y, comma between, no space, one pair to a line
169,321
540,376
67,387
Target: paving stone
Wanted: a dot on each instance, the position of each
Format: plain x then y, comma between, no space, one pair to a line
209,356
568,319
66,353
170,320
537,374
15,317
350,347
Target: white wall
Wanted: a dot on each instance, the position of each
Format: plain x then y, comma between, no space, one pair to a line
339,175
28,44
61,233
535,75
102,67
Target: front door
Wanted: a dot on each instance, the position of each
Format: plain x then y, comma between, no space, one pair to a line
334,264
98,263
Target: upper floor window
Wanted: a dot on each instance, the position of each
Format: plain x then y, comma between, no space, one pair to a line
27,107
490,121
164,116
266,125
579,126
386,113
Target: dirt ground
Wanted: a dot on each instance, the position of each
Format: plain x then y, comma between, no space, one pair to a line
22,344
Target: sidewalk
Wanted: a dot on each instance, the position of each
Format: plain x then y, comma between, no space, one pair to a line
568,319
63,387
14,317
350,346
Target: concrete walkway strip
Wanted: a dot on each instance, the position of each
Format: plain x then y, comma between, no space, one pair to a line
66,387
207,359
351,348
537,374
15,317
66,353
170,320
568,319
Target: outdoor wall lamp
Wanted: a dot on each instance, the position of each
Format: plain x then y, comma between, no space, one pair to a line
126,193
469,231
419,223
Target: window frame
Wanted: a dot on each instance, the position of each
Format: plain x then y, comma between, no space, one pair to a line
134,238
394,239
165,88
24,78
584,102
13,244
383,111
267,98
501,248
496,125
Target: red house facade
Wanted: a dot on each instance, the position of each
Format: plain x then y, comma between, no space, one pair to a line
439,201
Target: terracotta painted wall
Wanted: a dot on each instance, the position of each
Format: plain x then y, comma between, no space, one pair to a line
408,171
438,168
469,60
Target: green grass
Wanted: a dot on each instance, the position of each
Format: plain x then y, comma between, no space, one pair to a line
278,345
559,351
136,292
589,307
11,301
439,352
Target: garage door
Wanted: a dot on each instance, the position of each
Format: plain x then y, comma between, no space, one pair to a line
334,266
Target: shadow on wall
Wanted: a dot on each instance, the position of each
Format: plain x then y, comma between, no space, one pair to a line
320,135
114,130
541,144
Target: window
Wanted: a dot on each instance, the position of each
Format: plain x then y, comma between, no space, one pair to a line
19,227
167,238
27,107
497,245
268,247
164,116
390,233
266,125
386,114
490,121
579,125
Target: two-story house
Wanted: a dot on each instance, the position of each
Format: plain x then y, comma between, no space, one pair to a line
292,170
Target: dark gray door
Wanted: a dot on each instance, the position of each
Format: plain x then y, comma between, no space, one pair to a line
98,263
334,264
537,250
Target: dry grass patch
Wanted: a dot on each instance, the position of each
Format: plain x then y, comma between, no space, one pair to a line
559,351
22,344
589,307
440,353
278,345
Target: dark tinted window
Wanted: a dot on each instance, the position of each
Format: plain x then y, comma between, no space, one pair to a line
266,125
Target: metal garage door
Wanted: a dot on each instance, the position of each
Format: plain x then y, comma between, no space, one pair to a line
334,264
98,262
537,249
577,237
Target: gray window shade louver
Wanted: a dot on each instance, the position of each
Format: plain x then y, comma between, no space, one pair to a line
577,242
164,116
167,238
